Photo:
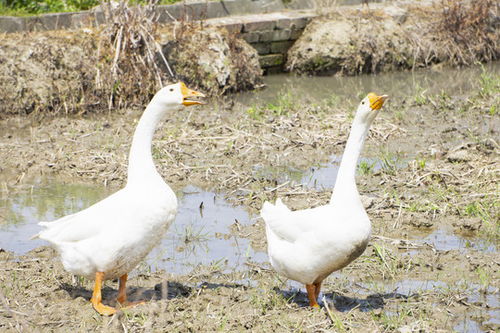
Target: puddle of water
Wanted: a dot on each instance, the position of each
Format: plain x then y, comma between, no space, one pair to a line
407,287
444,240
198,236
468,325
321,177
202,236
20,213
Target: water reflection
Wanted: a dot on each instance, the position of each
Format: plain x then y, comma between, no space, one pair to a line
352,88
20,212
443,240
199,235
324,175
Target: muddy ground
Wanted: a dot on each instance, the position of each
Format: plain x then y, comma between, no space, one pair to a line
439,158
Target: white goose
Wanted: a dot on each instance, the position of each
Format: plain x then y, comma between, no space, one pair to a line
107,240
308,245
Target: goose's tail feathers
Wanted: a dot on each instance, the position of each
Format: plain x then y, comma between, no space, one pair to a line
42,224
270,212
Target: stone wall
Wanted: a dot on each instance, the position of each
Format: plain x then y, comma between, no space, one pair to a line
265,24
166,13
270,34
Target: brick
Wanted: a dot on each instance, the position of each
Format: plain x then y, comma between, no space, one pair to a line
259,26
79,20
234,28
251,37
280,35
262,48
271,60
11,24
281,47
284,23
56,21
266,36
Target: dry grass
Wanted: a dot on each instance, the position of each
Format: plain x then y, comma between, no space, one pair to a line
370,40
467,31
129,45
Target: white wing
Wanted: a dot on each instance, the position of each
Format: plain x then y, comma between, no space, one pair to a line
86,223
290,225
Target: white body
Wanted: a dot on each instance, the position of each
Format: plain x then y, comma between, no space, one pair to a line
115,234
308,245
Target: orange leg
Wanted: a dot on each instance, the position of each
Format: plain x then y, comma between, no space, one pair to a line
317,285
311,294
122,293
122,289
96,299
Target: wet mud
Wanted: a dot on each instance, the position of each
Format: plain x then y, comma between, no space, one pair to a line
428,177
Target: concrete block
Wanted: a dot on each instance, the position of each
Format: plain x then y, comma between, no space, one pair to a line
281,47
251,37
234,28
260,25
271,60
279,35
84,19
299,23
245,7
33,23
56,21
283,23
98,17
266,36
262,48
169,12
11,24
295,34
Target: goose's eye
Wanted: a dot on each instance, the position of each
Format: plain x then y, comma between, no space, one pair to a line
363,102
171,89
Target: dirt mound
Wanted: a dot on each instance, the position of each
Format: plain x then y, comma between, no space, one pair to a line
76,71
45,71
226,63
351,41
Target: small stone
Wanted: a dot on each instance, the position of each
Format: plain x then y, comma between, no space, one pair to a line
459,156
367,201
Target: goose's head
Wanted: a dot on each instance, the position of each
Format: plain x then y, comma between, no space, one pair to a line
369,107
176,96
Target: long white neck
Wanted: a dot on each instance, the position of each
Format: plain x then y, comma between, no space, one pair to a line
345,183
141,167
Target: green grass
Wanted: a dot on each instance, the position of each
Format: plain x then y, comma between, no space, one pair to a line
489,84
365,167
284,104
30,7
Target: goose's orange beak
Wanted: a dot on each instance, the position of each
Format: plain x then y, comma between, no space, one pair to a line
376,101
187,94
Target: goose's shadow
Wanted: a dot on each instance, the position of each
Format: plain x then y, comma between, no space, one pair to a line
343,303
163,290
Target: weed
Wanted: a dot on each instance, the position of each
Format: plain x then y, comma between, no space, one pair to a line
489,83
420,98
194,234
365,167
256,113
389,162
421,163
386,259
484,278
283,105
